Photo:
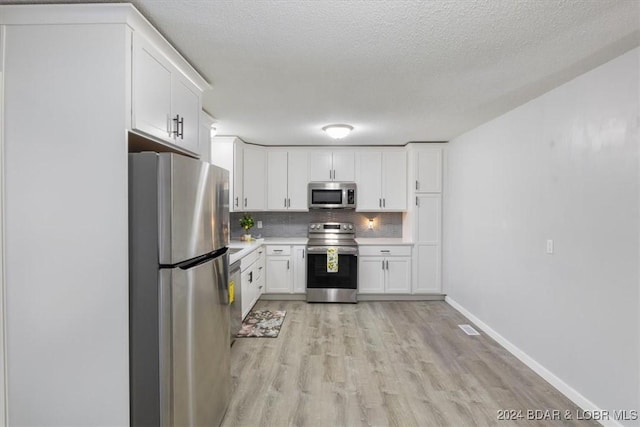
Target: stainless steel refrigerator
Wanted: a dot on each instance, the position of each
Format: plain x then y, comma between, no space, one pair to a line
178,301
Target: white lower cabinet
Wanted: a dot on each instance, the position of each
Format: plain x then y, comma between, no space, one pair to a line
286,269
252,279
384,270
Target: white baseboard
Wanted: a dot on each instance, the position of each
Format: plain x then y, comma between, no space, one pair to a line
564,388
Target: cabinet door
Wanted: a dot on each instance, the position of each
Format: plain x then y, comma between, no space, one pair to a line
369,181
277,180
185,104
398,272
370,275
226,152
151,91
319,165
247,292
429,171
428,268
428,223
254,179
394,180
344,166
297,180
278,274
300,269
238,178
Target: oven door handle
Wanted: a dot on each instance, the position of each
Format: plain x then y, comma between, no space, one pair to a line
342,250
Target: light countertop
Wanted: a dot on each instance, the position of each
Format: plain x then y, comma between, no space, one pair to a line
247,247
383,241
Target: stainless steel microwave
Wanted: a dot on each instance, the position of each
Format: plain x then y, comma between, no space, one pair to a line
332,195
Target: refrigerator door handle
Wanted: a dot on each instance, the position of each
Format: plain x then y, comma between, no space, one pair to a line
194,262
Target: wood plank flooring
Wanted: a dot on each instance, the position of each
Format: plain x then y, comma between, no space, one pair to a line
402,363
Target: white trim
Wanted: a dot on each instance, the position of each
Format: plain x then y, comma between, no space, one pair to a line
4,413
564,388
101,13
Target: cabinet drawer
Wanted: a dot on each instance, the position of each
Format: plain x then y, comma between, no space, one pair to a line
278,250
384,250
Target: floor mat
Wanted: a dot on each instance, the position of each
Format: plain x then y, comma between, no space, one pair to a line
262,324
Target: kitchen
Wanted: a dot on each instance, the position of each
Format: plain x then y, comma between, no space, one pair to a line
538,199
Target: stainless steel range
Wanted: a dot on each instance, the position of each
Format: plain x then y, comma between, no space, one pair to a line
336,281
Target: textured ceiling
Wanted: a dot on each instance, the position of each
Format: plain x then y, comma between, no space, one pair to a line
398,71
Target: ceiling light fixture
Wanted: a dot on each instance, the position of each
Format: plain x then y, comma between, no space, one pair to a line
337,131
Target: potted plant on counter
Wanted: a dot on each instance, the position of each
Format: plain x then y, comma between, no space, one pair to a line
247,223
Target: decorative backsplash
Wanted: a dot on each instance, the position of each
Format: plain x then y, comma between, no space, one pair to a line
295,224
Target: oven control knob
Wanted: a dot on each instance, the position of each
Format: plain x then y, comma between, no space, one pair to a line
344,226
350,226
312,226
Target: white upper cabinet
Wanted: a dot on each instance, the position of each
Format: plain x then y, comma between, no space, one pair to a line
227,152
151,91
338,165
369,181
277,195
382,180
428,174
166,105
187,106
286,180
254,172
297,180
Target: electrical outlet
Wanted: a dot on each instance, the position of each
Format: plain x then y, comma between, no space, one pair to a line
549,246
259,224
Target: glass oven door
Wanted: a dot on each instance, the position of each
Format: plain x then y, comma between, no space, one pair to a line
319,278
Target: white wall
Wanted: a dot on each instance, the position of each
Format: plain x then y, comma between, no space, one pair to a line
66,232
564,166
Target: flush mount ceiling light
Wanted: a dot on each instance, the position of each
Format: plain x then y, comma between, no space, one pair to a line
337,131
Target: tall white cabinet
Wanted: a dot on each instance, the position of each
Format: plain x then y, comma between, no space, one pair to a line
423,220
68,89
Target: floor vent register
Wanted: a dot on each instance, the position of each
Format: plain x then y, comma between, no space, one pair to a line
468,329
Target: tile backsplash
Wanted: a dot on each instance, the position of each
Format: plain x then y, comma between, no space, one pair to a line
294,224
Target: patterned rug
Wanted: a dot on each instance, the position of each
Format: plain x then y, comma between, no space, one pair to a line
262,324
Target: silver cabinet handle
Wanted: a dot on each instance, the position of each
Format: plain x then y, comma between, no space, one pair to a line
245,202
169,121
384,203
383,264
379,203
288,203
236,204
303,254
417,185
385,251
287,264
417,202
285,202
277,250
387,264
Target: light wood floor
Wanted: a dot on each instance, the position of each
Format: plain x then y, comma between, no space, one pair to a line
381,364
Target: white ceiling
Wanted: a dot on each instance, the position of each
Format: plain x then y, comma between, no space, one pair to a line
398,71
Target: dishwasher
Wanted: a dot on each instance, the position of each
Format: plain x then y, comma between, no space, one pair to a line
235,310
